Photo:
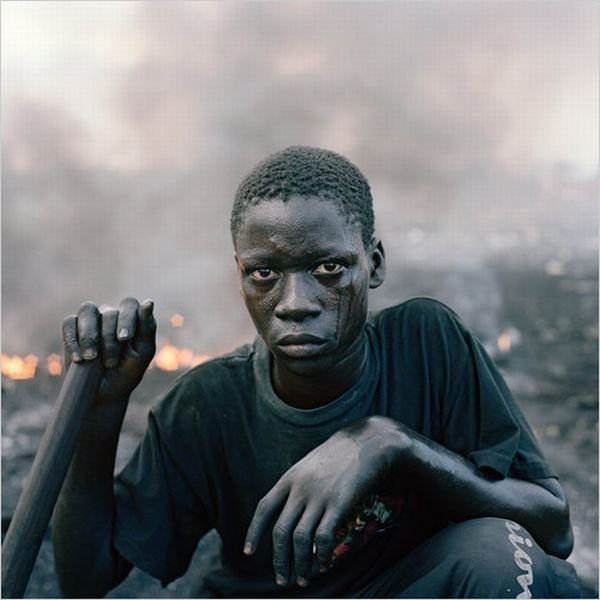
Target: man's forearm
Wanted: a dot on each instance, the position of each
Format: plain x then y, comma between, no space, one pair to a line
465,493
86,563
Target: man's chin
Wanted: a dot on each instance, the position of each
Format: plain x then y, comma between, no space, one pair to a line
304,361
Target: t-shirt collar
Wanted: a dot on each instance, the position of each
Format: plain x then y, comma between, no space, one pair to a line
361,390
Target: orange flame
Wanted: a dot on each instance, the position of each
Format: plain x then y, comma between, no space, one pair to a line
17,367
171,358
176,320
54,364
168,358
504,343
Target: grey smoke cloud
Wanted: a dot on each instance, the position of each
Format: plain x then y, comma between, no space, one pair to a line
455,111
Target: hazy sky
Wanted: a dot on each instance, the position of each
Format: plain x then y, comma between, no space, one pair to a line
130,76
126,127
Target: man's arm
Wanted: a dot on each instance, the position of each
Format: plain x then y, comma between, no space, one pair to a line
87,565
540,505
314,497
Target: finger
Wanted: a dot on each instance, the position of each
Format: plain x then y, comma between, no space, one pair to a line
127,322
263,516
69,336
109,344
303,544
282,539
144,342
88,330
324,539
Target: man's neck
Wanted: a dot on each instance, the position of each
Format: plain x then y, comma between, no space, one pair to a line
306,392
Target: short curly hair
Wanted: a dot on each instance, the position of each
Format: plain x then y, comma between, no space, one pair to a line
307,171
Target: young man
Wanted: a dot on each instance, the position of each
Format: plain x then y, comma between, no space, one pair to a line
337,455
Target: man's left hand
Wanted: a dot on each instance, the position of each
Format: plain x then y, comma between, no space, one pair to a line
317,494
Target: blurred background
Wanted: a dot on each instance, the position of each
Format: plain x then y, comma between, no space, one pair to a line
126,127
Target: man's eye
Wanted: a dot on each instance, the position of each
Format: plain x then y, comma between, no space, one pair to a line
263,274
328,268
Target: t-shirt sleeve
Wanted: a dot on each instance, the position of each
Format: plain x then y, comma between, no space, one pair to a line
159,517
481,419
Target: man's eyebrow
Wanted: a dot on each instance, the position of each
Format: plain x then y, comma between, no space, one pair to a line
254,257
317,252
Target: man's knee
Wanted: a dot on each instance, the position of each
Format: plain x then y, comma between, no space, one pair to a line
479,558
492,550
498,557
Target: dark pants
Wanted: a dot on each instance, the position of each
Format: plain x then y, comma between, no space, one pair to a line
480,558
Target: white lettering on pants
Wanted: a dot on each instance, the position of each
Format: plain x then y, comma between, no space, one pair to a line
522,559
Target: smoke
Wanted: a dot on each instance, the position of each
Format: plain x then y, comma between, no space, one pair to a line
462,116
410,90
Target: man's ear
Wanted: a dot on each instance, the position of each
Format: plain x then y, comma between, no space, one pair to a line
239,269
377,263
237,262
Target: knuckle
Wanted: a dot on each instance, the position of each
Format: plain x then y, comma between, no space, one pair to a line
89,339
261,507
69,320
109,330
301,537
109,338
280,534
251,534
69,325
88,306
110,344
130,302
324,539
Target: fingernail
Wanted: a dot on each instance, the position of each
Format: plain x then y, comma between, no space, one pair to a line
301,582
75,357
111,362
280,580
123,333
322,569
247,548
89,354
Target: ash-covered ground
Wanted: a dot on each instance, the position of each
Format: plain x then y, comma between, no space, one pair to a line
549,314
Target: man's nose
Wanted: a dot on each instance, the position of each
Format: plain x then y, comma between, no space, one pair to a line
298,298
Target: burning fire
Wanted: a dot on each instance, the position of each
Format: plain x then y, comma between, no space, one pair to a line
177,320
504,343
171,358
508,339
168,358
54,364
17,367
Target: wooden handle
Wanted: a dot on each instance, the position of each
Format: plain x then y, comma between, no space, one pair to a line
36,503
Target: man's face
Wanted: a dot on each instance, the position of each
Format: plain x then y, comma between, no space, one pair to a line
305,275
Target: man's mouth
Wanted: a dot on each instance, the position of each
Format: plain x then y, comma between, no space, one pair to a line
295,339
300,345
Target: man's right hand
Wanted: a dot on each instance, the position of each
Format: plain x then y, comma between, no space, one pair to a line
84,516
123,338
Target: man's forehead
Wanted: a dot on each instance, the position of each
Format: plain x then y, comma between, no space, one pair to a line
296,208
298,226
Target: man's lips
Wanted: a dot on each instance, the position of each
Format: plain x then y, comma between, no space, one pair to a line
300,345
299,339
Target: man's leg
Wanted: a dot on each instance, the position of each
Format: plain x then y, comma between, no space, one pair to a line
480,558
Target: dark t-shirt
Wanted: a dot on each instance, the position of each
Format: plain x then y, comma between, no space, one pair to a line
221,438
